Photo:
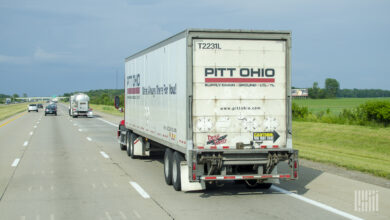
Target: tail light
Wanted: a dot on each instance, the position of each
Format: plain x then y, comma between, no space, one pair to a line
295,174
90,109
119,133
295,165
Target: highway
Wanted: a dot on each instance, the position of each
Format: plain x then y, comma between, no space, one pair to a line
57,167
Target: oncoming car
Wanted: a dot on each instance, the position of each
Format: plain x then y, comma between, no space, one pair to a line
32,107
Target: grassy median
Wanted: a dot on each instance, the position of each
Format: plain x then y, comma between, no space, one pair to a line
7,111
359,148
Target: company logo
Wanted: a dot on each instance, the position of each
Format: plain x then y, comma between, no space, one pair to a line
133,81
239,75
216,139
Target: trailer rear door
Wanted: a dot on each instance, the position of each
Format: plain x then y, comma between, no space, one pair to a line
239,93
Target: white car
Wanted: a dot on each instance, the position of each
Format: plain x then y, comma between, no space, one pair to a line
32,107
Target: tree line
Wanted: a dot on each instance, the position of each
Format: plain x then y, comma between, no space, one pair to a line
332,90
103,96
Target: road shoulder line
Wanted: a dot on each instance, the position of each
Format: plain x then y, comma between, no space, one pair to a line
315,203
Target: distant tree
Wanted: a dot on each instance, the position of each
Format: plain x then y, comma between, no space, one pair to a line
332,87
315,91
24,95
14,96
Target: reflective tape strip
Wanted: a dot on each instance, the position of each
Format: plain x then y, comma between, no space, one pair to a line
136,141
244,177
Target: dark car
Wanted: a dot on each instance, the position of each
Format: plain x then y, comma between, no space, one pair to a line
40,105
51,109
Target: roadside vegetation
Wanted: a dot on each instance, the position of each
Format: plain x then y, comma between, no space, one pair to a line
365,149
367,112
109,109
7,111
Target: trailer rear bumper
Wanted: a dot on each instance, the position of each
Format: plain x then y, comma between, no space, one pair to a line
257,164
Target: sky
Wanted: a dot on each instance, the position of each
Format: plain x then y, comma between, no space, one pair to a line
49,47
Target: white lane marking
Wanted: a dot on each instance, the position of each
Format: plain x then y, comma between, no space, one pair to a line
25,143
38,217
88,138
52,188
108,215
31,133
52,217
110,123
80,130
315,203
23,217
122,214
40,188
74,124
30,188
137,214
35,126
104,154
15,163
93,185
139,190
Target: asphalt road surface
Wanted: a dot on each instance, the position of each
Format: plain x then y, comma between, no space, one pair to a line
57,167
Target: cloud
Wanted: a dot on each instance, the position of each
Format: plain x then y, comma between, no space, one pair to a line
45,56
14,59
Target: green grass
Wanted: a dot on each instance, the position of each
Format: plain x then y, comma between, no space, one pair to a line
335,105
359,148
106,109
7,111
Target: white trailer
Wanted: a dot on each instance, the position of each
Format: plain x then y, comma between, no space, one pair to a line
79,105
217,101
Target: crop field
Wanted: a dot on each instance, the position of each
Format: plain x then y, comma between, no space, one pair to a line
359,148
7,111
335,105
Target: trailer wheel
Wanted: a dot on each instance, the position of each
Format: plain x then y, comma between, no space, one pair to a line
130,150
168,166
128,146
176,176
122,146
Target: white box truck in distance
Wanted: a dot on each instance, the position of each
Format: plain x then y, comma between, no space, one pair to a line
218,102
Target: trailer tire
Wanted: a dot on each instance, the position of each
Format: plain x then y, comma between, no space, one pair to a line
122,146
168,166
176,175
128,142
130,150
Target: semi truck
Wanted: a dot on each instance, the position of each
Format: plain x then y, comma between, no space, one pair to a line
79,105
217,102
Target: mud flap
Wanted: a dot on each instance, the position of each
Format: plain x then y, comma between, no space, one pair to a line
186,185
140,147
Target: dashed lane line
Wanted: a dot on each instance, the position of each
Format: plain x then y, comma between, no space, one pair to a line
104,154
139,189
16,162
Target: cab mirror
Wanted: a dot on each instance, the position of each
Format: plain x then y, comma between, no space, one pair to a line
116,102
